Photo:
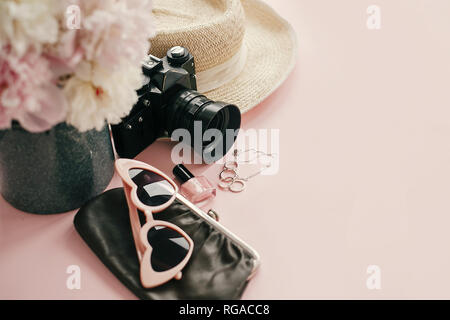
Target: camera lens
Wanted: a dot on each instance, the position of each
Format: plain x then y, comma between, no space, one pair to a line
212,125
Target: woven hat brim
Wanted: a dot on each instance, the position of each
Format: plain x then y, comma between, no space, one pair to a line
272,52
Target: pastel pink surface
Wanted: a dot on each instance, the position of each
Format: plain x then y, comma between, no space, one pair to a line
364,173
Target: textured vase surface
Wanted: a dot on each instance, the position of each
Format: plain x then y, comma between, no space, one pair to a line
54,171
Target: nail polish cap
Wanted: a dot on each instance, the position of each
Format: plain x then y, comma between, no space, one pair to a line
182,173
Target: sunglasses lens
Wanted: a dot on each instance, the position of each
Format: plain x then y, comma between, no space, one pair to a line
153,189
169,248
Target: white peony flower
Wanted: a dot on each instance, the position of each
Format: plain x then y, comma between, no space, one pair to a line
95,94
25,24
112,30
97,67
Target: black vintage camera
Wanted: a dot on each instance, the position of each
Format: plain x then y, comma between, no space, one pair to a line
168,101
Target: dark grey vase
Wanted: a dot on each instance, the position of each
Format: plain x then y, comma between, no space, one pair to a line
54,171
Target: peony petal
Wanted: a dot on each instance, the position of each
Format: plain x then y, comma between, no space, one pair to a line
53,110
5,119
107,96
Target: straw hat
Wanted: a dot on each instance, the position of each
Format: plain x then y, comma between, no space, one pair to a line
243,49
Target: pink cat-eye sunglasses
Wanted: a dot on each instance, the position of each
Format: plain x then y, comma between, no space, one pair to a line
163,248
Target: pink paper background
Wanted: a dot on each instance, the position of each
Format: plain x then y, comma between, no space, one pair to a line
364,170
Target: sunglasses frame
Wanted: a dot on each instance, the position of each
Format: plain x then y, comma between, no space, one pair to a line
149,277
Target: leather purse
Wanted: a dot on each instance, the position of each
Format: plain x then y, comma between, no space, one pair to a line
219,268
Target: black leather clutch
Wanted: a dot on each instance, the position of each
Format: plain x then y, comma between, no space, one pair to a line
219,267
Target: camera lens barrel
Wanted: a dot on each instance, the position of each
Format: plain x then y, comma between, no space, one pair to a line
189,107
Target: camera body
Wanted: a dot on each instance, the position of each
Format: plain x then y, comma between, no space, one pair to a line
168,101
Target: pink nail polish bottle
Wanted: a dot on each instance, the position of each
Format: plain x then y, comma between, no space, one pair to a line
195,189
